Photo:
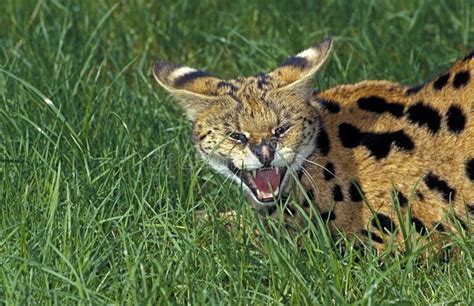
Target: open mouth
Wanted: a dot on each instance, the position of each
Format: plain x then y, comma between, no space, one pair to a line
264,183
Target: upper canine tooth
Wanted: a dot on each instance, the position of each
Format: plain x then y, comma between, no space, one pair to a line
277,169
254,173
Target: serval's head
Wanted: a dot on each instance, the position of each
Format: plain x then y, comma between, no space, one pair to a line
256,130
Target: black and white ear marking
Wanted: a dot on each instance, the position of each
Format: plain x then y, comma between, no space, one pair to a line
195,90
175,77
299,69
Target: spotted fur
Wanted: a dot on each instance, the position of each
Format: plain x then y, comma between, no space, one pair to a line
362,153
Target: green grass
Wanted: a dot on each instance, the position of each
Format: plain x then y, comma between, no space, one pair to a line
98,189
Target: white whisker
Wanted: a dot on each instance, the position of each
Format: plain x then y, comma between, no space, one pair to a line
305,172
321,166
313,183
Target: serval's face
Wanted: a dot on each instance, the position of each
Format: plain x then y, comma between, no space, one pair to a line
257,136
258,130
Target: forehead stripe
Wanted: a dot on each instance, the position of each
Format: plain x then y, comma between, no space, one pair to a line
224,84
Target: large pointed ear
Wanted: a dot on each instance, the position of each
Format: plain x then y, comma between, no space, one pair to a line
297,72
194,89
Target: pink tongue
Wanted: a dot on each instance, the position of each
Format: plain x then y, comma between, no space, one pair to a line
266,178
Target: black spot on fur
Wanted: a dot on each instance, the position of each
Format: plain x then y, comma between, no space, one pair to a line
349,135
470,169
224,84
470,208
424,115
419,226
305,119
379,105
329,171
329,105
372,235
402,140
402,200
337,193
420,196
322,141
440,227
262,80
203,136
379,144
434,182
469,56
414,90
328,216
189,77
441,81
385,222
296,61
310,196
461,79
455,119
355,192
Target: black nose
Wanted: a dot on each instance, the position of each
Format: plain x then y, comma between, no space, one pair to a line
265,153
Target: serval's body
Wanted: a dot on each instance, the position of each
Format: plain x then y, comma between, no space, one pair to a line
365,156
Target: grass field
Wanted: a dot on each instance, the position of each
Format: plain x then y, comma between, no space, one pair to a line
99,182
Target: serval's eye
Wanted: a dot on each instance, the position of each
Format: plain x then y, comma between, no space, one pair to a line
281,130
238,137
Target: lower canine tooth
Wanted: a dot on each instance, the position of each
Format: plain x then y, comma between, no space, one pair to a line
263,195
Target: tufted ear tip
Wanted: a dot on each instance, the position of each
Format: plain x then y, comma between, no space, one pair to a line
162,71
158,65
317,51
326,44
328,39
